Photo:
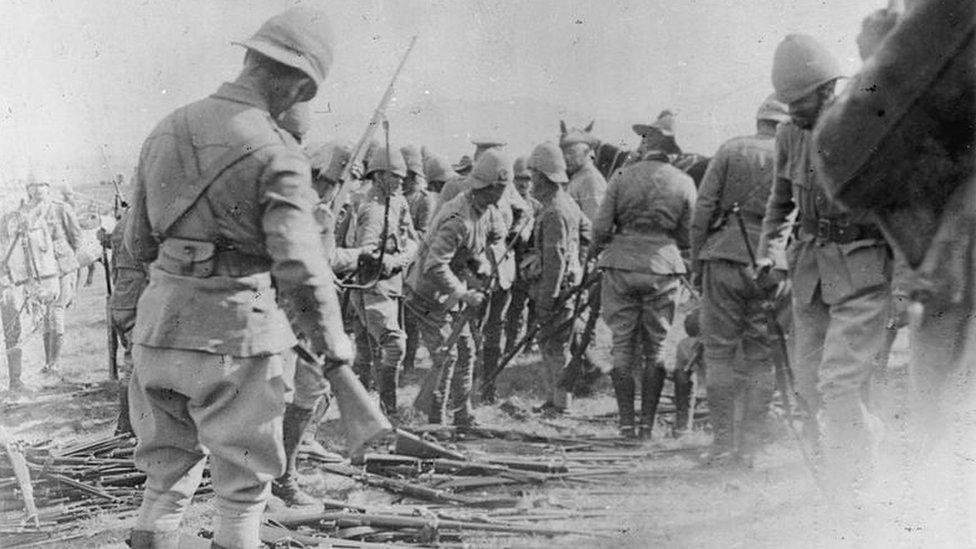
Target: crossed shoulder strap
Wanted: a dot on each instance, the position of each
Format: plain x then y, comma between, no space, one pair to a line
189,192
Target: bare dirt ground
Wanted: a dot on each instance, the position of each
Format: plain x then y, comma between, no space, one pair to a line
669,500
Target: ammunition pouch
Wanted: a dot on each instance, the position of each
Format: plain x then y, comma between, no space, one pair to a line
203,259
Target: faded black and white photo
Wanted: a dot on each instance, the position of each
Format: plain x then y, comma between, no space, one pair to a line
487,273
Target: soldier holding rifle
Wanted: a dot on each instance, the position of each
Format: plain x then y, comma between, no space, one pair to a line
738,178
210,375
445,274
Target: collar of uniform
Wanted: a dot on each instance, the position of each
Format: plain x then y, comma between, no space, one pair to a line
241,93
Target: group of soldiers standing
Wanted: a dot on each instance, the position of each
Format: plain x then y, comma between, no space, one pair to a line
247,256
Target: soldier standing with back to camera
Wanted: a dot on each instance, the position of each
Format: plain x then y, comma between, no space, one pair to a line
209,342
641,228
840,270
739,176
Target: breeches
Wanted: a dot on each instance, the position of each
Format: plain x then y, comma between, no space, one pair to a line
380,314
639,309
188,404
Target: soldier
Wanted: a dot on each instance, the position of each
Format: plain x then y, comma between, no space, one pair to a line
377,307
521,311
421,201
925,200
642,226
511,219
444,275
58,219
587,187
560,231
740,175
129,279
438,171
210,340
839,267
659,135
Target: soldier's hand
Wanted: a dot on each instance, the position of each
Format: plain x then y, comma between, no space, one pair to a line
766,277
473,298
366,251
531,266
339,348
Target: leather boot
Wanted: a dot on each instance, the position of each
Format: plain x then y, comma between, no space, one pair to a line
624,389
286,486
47,348
144,539
682,402
14,369
652,382
388,392
122,424
720,413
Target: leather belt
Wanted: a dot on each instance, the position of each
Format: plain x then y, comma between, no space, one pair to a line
842,231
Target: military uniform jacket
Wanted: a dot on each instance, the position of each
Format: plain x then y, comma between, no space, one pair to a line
453,251
129,276
49,222
587,187
422,205
741,172
645,218
511,212
258,215
839,270
401,243
341,260
560,228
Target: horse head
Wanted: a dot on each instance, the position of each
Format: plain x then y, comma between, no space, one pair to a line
585,132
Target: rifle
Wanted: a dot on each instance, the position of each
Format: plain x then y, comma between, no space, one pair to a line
467,315
113,337
581,342
781,357
360,149
369,270
361,416
584,285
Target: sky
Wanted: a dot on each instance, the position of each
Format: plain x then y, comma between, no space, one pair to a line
85,81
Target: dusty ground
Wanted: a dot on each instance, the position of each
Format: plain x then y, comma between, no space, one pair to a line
669,501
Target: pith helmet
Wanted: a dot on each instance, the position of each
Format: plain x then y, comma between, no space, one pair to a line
548,159
521,167
413,158
774,110
492,168
378,161
300,37
36,178
330,159
297,120
664,125
438,169
801,65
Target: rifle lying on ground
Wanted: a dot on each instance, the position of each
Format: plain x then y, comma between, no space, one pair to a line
781,357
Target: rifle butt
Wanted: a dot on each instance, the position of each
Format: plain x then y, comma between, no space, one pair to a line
362,417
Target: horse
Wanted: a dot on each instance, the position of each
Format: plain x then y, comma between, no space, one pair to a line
608,158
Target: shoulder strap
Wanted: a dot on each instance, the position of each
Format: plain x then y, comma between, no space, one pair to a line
189,193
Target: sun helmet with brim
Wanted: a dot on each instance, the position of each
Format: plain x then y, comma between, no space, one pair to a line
299,37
